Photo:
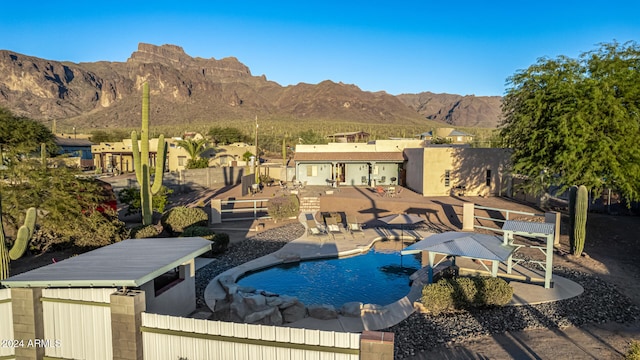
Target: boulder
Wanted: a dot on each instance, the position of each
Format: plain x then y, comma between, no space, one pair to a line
255,302
269,316
294,312
351,309
323,312
274,301
228,284
287,301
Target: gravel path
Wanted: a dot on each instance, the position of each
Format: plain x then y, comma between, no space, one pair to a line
601,302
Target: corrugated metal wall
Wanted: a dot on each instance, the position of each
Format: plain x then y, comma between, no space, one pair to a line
169,337
6,322
78,322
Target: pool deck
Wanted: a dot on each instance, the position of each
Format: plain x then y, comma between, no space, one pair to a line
375,317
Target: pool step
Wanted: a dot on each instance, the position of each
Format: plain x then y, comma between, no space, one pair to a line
309,204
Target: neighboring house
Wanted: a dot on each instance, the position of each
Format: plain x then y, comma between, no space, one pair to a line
450,135
453,170
118,156
77,150
231,155
351,164
349,137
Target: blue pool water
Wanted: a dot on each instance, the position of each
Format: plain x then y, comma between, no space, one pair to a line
377,277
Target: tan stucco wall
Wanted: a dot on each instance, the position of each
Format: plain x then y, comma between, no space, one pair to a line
414,169
468,167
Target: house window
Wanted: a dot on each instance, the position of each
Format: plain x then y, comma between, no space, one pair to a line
312,170
447,178
488,180
182,160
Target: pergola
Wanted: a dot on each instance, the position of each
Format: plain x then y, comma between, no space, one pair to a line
488,247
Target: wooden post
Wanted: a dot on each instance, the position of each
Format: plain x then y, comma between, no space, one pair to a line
467,216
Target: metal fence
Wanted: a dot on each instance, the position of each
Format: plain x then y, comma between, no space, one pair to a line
492,216
239,208
6,324
79,323
170,337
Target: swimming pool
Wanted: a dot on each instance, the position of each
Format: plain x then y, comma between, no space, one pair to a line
379,276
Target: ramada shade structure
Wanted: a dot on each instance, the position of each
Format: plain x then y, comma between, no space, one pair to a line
464,244
128,263
402,220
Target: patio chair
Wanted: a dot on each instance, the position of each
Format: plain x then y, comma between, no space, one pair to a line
380,191
333,228
354,226
391,191
313,229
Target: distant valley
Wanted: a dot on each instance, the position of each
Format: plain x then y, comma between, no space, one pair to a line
196,91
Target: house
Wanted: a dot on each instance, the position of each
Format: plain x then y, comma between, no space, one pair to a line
349,137
430,171
352,164
454,170
449,135
78,150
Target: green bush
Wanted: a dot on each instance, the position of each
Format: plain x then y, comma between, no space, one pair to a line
220,241
177,219
464,292
438,297
634,351
283,207
494,292
144,231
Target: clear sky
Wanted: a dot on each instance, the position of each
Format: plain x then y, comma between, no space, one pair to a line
458,47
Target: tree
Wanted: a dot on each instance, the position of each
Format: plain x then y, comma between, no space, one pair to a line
20,136
227,135
194,149
578,119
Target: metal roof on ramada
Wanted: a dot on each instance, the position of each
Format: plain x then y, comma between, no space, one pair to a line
391,156
127,263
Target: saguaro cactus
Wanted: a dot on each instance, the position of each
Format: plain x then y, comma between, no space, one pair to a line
573,192
20,245
141,161
580,220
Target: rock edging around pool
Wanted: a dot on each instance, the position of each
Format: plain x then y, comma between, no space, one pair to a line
232,302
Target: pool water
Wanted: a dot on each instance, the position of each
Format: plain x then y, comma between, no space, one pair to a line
379,276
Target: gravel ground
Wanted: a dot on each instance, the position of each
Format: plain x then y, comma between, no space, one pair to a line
601,302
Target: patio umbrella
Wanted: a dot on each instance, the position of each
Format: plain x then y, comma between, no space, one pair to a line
402,220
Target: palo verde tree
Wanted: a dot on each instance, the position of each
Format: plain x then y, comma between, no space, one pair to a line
578,119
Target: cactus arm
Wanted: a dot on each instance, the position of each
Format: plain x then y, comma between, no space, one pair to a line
4,254
43,154
573,191
145,197
137,168
24,235
161,157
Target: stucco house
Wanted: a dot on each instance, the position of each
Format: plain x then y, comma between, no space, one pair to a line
431,171
450,135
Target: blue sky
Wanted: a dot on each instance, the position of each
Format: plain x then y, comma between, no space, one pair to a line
463,47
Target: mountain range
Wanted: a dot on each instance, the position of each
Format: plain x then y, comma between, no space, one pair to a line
185,89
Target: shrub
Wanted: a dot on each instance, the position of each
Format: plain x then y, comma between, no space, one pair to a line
438,297
220,241
463,292
177,219
283,207
131,197
144,231
494,292
634,351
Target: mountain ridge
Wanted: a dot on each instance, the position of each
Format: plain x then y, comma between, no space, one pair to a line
187,89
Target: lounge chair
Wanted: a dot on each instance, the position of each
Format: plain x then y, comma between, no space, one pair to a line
313,229
380,191
332,227
354,226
